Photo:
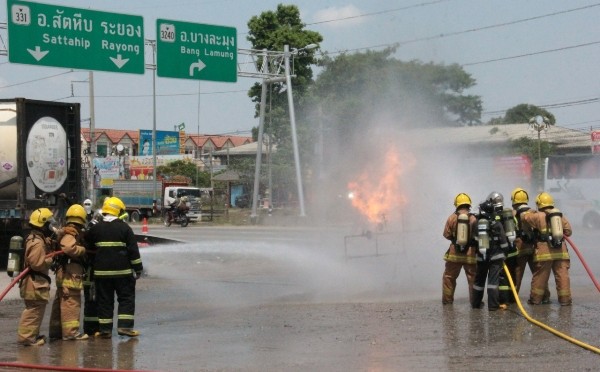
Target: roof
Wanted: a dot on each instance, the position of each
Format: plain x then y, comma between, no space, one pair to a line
115,135
481,134
247,149
227,176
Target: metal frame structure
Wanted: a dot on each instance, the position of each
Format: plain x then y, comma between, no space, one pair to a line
270,66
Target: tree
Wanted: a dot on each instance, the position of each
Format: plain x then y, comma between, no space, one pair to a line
362,85
523,112
529,147
183,168
271,30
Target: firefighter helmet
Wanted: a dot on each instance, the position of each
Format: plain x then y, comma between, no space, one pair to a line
496,199
113,206
40,217
76,214
462,199
519,196
544,200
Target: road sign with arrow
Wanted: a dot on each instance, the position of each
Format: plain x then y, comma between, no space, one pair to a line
196,51
50,35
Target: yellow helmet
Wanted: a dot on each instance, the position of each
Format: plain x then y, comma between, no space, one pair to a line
76,214
544,200
519,196
40,217
113,206
462,199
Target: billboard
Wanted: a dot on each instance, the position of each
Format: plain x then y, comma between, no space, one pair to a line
167,142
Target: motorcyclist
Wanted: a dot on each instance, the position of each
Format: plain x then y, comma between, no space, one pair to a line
179,206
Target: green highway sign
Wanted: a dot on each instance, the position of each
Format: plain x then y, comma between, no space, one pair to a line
49,35
196,51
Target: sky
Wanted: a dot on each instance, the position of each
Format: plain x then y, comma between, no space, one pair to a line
544,53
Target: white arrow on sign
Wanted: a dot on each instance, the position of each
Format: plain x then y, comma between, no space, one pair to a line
196,65
37,53
119,62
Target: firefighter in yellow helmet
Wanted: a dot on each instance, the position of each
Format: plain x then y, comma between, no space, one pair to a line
35,286
70,270
117,265
461,254
525,238
551,255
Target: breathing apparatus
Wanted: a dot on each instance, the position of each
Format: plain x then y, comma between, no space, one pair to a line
16,256
483,236
462,232
510,228
554,223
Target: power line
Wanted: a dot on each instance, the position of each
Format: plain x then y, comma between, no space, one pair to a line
532,53
36,80
476,29
378,13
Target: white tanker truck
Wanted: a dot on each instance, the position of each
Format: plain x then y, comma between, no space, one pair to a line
40,158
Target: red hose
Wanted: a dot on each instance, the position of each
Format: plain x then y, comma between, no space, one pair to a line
584,263
61,368
23,273
46,367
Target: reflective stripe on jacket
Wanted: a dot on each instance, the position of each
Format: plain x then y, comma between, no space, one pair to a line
116,250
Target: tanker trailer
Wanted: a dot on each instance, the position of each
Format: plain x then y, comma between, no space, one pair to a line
40,160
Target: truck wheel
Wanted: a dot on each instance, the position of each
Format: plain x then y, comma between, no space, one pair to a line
135,216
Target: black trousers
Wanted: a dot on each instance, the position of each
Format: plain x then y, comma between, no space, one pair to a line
506,295
124,288
90,309
489,270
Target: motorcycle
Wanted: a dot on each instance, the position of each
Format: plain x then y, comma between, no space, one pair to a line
176,216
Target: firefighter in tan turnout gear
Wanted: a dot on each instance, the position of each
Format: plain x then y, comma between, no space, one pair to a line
117,265
35,286
461,254
551,255
70,270
525,241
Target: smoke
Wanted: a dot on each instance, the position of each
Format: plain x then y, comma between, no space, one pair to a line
433,164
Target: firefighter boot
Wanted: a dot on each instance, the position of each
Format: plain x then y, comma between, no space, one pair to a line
129,332
477,299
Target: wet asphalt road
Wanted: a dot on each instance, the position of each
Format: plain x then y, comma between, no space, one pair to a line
294,299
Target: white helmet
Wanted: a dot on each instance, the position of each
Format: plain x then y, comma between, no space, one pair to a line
87,205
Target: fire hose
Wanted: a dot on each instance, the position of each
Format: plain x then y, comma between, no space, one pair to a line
23,273
37,366
62,368
587,269
542,325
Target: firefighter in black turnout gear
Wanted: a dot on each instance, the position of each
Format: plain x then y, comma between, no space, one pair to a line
492,249
510,229
116,267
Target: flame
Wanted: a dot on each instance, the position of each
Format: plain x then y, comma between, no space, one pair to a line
377,192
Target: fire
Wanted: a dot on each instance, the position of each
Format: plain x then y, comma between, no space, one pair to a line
377,192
